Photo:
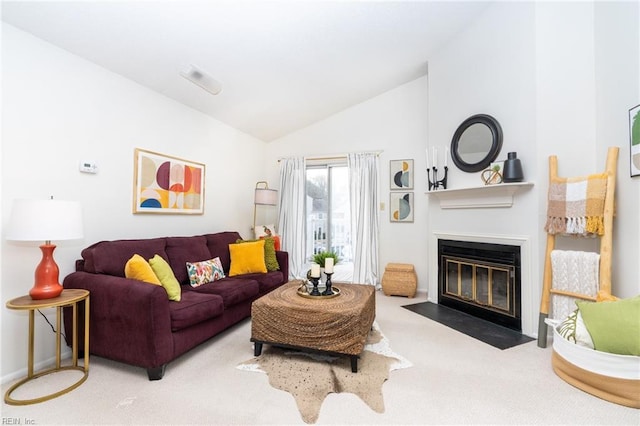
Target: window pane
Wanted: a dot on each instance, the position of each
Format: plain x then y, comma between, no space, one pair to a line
317,210
329,216
340,213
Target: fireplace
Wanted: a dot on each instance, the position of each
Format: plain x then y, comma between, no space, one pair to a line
481,279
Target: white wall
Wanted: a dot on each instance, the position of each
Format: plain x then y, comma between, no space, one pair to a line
394,123
59,109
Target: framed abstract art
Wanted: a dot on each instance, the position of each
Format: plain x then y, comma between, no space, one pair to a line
401,207
163,184
401,174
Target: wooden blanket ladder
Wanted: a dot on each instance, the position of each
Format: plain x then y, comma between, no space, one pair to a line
606,243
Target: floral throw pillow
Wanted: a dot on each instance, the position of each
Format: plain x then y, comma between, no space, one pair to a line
204,272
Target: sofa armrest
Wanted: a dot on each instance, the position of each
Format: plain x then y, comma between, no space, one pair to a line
129,320
283,261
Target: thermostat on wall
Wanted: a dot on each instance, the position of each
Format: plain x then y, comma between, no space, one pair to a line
88,167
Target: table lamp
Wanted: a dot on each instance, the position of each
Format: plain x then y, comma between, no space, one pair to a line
263,196
45,220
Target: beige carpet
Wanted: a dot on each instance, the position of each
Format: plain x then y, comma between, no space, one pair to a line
454,380
309,378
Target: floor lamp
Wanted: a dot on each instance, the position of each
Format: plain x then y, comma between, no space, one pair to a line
263,196
45,220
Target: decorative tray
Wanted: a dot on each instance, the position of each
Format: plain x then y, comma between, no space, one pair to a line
302,291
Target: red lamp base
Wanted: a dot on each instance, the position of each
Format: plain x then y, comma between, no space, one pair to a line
46,284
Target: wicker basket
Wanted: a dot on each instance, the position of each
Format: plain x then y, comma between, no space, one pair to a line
399,279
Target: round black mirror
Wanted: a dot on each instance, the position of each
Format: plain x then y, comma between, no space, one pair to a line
476,143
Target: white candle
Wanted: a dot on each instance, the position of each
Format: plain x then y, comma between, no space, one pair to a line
446,156
435,157
328,265
426,151
315,270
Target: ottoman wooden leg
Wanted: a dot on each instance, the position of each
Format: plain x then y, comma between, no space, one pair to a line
354,363
257,348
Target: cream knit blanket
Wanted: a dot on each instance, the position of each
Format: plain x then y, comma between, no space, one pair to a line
576,205
575,272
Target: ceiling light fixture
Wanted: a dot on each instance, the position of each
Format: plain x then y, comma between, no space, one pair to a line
202,79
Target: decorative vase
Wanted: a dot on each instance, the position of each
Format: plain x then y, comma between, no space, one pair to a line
512,171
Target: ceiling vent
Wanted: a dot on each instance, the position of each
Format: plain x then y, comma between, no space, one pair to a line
202,79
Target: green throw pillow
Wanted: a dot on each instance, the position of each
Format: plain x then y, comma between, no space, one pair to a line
165,274
270,259
613,326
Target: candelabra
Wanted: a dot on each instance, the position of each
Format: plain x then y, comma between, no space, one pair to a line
436,183
315,291
328,291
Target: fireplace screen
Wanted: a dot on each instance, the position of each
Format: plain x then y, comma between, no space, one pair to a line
483,284
481,279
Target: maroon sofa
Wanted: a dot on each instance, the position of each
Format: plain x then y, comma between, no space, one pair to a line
135,323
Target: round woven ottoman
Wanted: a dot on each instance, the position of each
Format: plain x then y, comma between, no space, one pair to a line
399,279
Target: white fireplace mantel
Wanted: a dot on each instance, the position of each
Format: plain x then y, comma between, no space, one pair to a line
487,196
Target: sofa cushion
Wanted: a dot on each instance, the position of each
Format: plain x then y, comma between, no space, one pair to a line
181,250
194,308
247,258
268,281
167,279
218,245
204,272
110,257
232,290
137,268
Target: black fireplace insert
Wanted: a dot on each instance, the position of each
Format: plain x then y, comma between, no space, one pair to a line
481,279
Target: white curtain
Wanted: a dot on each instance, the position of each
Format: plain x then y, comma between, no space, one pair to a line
363,194
291,216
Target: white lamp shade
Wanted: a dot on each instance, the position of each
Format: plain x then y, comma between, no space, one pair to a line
45,220
266,196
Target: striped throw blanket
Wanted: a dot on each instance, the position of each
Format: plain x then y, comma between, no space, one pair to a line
576,205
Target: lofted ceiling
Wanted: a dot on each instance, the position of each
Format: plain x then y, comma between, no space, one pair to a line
283,65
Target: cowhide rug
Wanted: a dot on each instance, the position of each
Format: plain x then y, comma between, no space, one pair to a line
309,378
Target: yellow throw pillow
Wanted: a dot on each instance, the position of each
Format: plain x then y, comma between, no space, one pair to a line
167,279
247,258
270,258
138,268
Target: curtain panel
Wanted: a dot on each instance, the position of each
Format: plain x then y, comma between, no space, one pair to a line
363,194
291,214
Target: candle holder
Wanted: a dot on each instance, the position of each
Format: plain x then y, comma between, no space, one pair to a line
315,291
328,291
436,183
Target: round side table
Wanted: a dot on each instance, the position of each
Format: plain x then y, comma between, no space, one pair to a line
68,297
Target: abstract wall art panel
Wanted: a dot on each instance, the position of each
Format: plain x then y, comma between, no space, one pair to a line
167,185
401,174
401,207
